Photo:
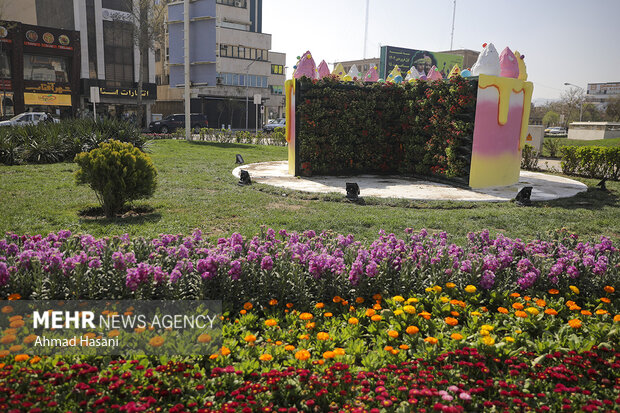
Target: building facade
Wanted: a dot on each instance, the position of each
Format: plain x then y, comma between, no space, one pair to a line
601,93
245,67
107,58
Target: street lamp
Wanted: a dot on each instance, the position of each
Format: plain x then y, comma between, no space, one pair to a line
580,100
247,73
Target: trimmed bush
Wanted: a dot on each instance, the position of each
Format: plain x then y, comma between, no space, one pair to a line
591,161
59,142
117,172
529,158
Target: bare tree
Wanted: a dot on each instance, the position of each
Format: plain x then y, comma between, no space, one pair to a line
572,100
147,19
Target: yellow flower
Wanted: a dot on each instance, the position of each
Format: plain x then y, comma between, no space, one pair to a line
398,312
487,327
353,321
450,285
302,355
204,338
470,289
518,331
431,340
265,357
412,330
509,339
475,314
488,340
437,289
444,299
574,289
532,310
398,298
456,336
304,337
601,312
412,300
339,351
409,309
310,325
271,322
393,333
484,332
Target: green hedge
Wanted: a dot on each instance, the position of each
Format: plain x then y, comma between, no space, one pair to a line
422,128
591,161
58,142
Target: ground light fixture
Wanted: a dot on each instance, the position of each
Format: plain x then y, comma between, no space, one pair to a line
523,196
239,159
244,178
602,185
353,191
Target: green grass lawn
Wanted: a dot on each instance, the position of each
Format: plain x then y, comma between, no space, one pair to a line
197,190
579,142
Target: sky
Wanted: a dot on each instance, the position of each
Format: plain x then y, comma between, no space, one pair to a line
563,41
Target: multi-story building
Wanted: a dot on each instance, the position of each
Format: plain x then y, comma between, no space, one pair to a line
108,57
601,93
244,64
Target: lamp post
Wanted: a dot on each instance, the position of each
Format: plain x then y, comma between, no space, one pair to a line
247,74
580,100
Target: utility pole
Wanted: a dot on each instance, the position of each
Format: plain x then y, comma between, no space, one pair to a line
453,18
186,95
366,29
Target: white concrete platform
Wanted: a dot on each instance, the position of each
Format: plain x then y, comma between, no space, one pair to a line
545,187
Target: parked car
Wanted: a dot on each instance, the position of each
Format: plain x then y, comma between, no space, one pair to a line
556,130
172,122
29,118
274,123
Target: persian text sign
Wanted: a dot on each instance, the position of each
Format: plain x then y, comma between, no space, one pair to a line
51,99
110,327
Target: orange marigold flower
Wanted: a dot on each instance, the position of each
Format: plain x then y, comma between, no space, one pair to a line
521,314
454,313
412,330
409,309
30,338
431,340
608,289
586,312
266,357
425,314
551,311
310,325
329,355
243,312
395,352
35,360
289,305
271,322
14,296
359,300
21,357
339,351
517,306
8,339
601,311
502,310
393,333
304,337
574,307
289,347
484,309
16,348
250,338
376,307
553,291
388,348
353,321
225,351
541,303
156,341
454,301
370,312
605,300
6,309
403,347
450,285
302,355
320,305
515,295
213,356
451,321
574,289
328,315
248,306
376,317
527,298
204,338
574,323
322,336
273,301
17,323
306,316
456,336
617,318
376,297
337,299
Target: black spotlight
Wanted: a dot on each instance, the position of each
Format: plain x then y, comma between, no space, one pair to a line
353,191
602,185
245,178
523,197
239,159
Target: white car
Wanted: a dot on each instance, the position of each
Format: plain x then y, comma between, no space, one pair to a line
28,118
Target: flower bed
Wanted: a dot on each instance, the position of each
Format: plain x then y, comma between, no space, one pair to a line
415,324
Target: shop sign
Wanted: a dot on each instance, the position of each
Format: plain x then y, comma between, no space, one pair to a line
5,84
50,87
123,92
51,99
47,38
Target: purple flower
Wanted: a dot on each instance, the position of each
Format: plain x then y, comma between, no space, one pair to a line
488,280
235,270
4,274
267,263
466,266
572,271
371,269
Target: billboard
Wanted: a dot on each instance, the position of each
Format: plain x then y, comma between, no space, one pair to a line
423,60
201,42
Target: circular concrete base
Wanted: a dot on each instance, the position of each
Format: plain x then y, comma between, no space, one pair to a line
545,187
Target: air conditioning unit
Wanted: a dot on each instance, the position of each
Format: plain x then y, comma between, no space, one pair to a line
238,3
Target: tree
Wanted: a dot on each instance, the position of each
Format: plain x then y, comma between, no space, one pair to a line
148,21
612,112
551,118
571,100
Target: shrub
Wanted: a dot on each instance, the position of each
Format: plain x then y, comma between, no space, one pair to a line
117,172
591,161
552,146
529,158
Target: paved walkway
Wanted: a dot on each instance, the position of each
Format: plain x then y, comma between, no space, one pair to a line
545,187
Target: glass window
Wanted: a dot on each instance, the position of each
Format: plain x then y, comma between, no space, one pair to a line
121,5
45,68
264,81
118,51
241,80
241,52
5,65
